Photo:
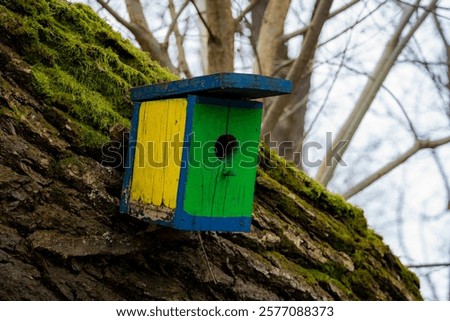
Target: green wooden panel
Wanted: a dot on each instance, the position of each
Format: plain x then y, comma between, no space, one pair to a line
222,187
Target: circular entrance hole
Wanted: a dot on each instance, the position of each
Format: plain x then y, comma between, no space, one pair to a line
225,146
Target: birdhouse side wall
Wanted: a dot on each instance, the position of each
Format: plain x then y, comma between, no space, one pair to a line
157,158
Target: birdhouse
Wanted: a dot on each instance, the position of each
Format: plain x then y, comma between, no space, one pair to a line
193,151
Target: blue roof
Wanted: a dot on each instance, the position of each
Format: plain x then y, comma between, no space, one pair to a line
221,85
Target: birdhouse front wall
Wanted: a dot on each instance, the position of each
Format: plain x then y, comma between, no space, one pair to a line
222,186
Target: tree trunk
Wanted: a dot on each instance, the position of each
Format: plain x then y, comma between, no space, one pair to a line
62,237
145,37
270,36
220,36
257,19
300,68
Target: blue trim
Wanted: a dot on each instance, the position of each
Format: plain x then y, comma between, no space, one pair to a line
187,222
227,85
130,159
230,102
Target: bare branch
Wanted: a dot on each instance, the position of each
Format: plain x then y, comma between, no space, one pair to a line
447,53
440,30
300,67
116,16
399,223
174,21
244,12
269,36
303,30
429,265
202,19
333,82
444,176
182,63
387,60
419,145
405,114
139,28
354,24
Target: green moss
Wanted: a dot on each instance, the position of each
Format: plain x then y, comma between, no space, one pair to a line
312,276
315,193
362,284
339,225
79,64
57,168
338,234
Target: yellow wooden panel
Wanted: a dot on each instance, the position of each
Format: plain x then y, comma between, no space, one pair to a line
159,140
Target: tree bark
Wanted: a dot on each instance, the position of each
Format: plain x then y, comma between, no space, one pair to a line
220,36
270,35
145,37
419,145
300,68
183,67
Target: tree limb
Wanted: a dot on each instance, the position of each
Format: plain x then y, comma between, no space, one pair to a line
419,145
444,176
244,12
303,30
115,15
269,37
354,24
203,19
174,21
300,66
387,60
182,63
447,52
429,265
139,28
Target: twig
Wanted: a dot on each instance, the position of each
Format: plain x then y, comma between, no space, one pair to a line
206,258
116,16
174,22
391,52
203,19
445,178
430,265
353,25
182,62
245,11
303,30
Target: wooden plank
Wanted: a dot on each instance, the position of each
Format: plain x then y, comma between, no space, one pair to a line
221,85
155,172
245,124
204,168
176,124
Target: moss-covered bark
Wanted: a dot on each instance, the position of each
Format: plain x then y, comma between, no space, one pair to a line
64,82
